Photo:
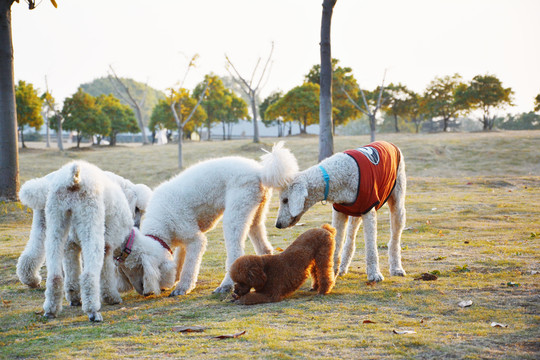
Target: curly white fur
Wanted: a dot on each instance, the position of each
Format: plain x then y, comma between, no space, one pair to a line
307,188
182,209
90,203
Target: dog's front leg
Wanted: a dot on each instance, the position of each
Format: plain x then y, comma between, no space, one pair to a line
350,244
194,250
109,282
339,222
372,255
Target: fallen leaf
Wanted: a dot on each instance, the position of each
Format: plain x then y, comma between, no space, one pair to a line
403,332
133,317
188,328
230,336
465,303
6,302
512,284
428,222
466,242
495,324
427,277
279,249
438,258
371,283
368,322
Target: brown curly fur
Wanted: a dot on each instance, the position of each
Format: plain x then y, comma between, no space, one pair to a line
276,276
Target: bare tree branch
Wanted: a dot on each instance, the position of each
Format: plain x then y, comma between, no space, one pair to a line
353,102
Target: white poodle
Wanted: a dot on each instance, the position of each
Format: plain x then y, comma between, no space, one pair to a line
33,194
82,198
182,209
358,182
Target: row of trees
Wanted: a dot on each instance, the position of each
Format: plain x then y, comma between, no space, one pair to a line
89,116
445,99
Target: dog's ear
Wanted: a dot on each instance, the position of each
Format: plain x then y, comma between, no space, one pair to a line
297,198
256,275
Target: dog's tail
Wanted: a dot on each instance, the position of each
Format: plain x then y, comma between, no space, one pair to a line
330,229
278,167
75,178
34,193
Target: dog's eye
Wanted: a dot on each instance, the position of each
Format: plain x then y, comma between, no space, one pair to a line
285,201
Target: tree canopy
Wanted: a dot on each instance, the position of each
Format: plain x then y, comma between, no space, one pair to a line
485,93
441,101
299,104
120,116
29,105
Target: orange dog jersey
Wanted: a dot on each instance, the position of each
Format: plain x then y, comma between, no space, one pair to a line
377,169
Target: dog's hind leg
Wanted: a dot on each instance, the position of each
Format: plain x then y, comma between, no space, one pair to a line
372,255
350,244
194,250
33,256
253,298
56,234
324,266
89,230
257,230
396,203
339,222
72,271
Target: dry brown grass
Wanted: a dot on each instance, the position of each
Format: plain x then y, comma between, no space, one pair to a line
473,218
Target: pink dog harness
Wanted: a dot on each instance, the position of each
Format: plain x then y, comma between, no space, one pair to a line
377,169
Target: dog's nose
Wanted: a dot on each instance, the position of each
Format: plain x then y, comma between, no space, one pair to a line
278,225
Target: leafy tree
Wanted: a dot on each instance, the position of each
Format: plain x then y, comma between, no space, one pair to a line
486,93
415,109
28,107
237,109
9,155
441,101
342,79
214,100
299,104
397,102
537,103
269,121
121,117
83,115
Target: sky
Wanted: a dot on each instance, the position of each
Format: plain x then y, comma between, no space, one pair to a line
152,41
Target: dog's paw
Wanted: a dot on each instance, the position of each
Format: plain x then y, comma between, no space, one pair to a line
95,317
49,315
178,292
112,300
375,277
397,272
343,271
223,289
75,303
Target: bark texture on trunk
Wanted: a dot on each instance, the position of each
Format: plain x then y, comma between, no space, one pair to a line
326,140
9,156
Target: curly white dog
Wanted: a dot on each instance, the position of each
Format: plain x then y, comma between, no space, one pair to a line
358,182
182,209
81,197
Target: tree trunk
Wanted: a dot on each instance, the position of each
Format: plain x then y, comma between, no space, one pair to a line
180,154
255,121
396,123
138,113
48,136
22,138
224,131
372,124
79,137
9,155
326,140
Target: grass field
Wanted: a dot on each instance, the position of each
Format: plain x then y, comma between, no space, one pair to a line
473,218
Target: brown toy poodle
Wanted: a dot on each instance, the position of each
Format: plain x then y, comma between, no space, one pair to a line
276,276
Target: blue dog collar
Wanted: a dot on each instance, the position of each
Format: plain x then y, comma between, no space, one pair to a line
326,182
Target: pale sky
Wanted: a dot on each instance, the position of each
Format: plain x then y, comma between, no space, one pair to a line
151,41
